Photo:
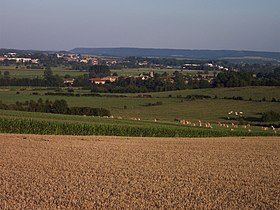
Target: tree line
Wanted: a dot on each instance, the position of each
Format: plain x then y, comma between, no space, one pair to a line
241,79
56,107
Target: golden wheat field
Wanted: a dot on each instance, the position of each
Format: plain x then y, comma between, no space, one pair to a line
64,172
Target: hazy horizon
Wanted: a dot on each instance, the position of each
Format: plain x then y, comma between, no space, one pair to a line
251,25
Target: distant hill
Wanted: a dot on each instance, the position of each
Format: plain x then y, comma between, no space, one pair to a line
232,55
191,54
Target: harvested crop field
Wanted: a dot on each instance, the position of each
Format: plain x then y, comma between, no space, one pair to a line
50,172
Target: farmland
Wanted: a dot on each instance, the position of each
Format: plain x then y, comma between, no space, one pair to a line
62,71
146,149
178,108
38,73
61,126
51,172
135,72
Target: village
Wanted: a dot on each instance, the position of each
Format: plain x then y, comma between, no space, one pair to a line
195,71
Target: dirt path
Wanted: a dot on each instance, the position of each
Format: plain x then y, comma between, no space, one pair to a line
52,172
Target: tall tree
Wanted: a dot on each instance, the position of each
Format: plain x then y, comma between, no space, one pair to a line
50,79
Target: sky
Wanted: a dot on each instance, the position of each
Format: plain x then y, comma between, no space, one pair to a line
178,24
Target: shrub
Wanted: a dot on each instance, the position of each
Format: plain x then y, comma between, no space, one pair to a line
158,103
193,97
240,98
270,116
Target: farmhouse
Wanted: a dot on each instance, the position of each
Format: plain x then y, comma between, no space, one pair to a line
84,61
111,78
69,81
97,81
144,76
103,80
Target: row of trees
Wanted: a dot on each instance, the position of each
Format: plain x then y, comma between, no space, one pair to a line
57,107
241,79
49,80
164,82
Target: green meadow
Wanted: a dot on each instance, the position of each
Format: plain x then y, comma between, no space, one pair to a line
38,73
141,115
23,72
174,105
137,71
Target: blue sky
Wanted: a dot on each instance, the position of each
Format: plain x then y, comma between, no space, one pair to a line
185,24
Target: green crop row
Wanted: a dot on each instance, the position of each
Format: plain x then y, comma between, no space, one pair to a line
28,126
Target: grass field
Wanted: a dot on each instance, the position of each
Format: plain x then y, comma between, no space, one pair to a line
62,71
55,172
167,115
256,93
171,108
135,72
38,73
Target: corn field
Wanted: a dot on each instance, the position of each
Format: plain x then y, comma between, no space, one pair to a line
29,126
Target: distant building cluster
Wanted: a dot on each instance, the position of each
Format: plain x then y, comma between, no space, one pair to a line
104,80
13,57
209,66
129,62
88,59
